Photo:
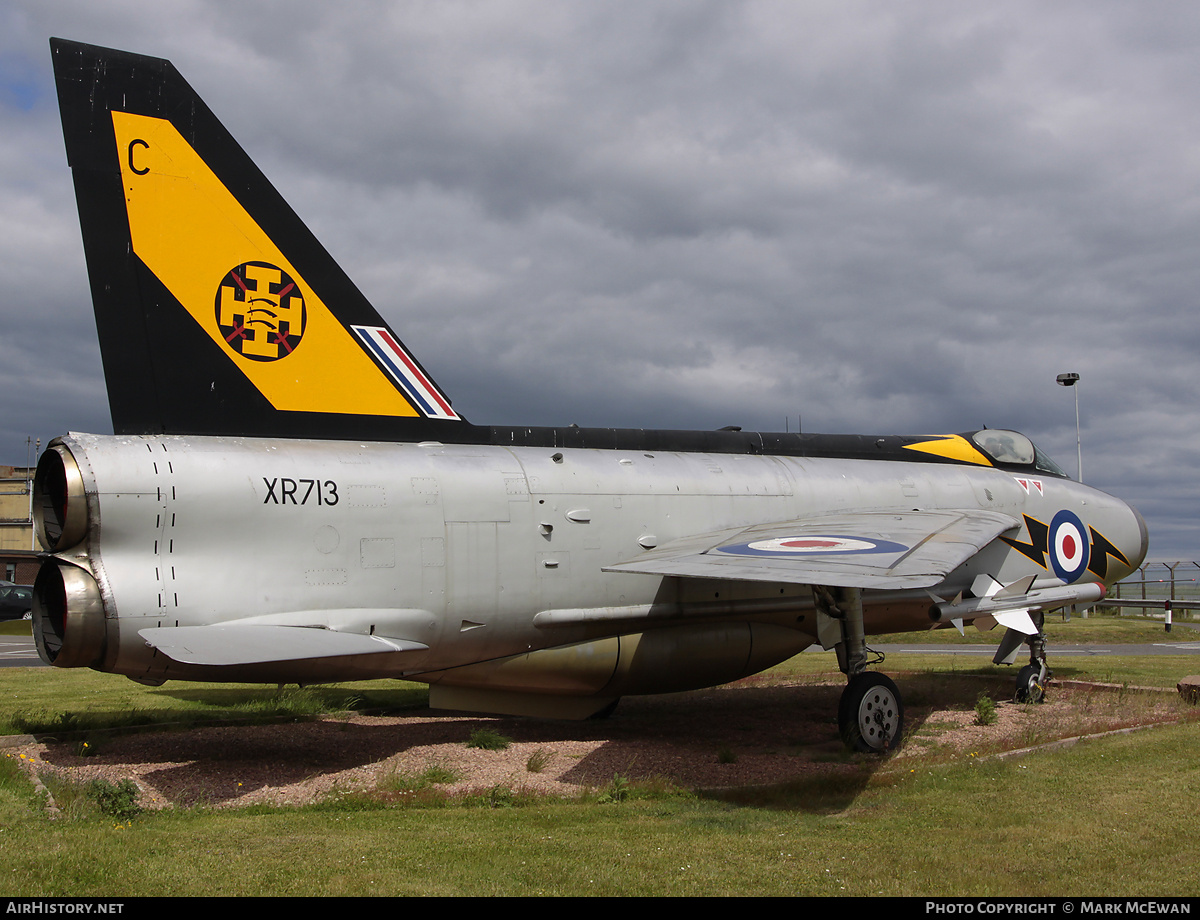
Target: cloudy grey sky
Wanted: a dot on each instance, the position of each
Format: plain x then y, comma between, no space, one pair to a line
885,218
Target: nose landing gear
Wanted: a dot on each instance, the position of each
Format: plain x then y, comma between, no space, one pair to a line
1031,679
1030,685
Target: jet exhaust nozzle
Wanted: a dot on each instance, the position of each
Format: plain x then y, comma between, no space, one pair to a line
59,502
68,616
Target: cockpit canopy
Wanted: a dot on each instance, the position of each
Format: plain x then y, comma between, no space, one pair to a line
1011,448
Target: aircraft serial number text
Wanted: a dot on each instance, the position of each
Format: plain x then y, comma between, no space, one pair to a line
284,491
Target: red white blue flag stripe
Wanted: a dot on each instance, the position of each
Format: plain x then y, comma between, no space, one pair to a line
420,390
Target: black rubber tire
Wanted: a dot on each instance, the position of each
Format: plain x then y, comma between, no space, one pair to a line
871,714
1029,688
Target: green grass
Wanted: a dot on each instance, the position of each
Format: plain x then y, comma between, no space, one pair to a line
1098,628
1106,816
1110,815
985,710
395,781
1142,671
488,739
51,700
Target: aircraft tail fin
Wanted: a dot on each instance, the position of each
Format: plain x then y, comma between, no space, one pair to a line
218,311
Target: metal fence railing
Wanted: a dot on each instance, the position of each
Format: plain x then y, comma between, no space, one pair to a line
1167,586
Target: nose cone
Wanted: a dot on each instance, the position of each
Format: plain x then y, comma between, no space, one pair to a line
1119,537
1136,558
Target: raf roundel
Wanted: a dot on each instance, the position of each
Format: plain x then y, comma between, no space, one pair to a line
260,311
1069,548
813,545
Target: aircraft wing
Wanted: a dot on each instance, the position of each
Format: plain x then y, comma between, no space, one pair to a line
880,550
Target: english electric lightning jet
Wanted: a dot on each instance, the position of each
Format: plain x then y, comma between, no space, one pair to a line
290,497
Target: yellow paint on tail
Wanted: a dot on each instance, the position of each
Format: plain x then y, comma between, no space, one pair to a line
192,232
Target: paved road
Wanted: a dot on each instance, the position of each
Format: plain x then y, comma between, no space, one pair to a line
1167,647
18,652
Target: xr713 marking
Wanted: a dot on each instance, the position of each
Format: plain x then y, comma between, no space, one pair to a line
325,493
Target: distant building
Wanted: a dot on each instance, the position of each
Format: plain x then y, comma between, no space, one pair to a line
18,547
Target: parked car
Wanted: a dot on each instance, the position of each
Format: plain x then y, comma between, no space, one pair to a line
16,601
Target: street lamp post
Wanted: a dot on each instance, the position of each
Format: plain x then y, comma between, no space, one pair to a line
1071,380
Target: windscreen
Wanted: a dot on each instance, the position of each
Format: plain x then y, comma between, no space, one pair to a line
1011,448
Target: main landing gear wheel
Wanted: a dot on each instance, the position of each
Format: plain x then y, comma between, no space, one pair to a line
1029,685
870,714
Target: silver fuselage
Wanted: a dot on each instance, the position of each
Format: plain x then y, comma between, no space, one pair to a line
481,553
